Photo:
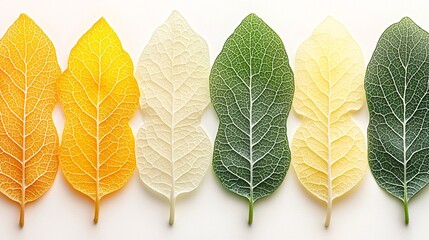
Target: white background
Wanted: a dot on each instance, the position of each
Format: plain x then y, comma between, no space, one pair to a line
211,212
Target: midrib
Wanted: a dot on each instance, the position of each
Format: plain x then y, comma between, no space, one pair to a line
404,132
97,176
173,109
172,141
329,173
404,144
250,122
24,115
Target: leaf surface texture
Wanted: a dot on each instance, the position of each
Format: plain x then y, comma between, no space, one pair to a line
99,95
251,87
396,85
173,151
28,139
328,148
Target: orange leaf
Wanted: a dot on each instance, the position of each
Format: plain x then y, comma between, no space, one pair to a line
99,95
28,138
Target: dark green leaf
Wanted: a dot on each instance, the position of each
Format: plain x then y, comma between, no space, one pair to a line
396,85
251,87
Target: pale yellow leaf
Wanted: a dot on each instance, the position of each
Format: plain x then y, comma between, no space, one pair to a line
328,149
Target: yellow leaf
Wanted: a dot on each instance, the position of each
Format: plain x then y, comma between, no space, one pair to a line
28,138
328,149
99,95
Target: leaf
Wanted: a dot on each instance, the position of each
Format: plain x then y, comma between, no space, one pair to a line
328,149
29,141
99,95
251,87
396,84
173,151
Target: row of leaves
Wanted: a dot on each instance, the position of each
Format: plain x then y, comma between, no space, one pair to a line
251,88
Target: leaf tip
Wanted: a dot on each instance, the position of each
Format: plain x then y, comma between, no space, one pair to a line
101,21
330,19
331,24
175,14
175,17
23,16
101,24
24,19
407,21
252,16
253,20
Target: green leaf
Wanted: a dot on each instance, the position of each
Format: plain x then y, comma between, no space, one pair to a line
396,85
251,87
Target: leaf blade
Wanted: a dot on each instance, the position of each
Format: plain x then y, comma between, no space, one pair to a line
29,146
328,147
252,129
173,78
99,95
397,138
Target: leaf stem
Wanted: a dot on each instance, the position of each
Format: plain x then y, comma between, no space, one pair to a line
21,216
172,209
328,214
250,211
407,218
97,210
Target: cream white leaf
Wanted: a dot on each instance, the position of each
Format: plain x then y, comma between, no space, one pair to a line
173,151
